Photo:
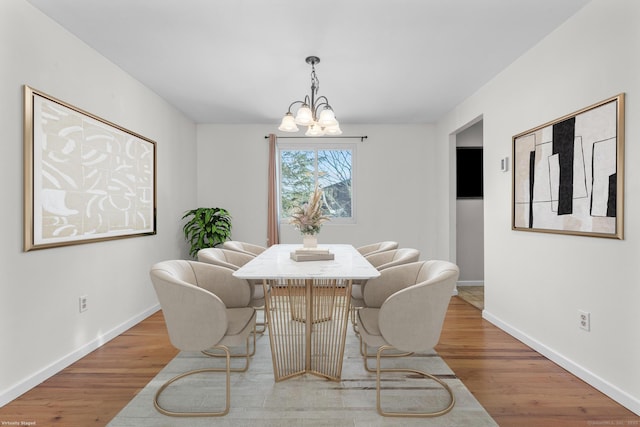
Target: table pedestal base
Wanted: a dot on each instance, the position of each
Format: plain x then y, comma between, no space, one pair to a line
307,320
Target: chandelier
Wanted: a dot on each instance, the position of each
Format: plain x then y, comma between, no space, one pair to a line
324,123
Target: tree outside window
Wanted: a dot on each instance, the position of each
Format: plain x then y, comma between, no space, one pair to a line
302,167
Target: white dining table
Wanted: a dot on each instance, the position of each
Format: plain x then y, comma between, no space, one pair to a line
307,306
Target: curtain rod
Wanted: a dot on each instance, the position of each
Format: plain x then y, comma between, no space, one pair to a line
362,137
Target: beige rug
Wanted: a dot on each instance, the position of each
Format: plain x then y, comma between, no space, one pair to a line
256,400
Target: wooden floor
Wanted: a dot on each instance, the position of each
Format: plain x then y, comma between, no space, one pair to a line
516,385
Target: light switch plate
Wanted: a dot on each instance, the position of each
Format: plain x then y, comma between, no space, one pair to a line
504,164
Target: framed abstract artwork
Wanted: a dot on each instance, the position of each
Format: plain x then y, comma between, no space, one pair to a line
85,179
568,174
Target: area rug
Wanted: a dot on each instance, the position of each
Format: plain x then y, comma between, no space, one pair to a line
257,400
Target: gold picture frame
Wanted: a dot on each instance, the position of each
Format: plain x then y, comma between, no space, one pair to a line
85,178
568,174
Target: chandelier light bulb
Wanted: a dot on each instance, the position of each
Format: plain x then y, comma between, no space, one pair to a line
288,124
333,130
327,118
314,130
304,116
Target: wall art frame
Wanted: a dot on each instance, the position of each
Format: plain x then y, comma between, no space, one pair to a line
85,179
568,174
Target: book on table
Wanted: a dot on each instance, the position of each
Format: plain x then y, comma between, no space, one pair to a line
312,254
315,250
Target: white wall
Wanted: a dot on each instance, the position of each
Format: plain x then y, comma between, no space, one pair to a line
41,329
535,282
395,178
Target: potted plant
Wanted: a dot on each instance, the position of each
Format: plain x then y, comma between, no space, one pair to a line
308,218
206,228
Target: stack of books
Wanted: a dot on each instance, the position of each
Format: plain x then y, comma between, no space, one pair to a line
311,254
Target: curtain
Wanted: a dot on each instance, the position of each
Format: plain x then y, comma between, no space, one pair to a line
273,222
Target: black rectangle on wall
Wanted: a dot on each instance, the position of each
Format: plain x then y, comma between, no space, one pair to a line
469,173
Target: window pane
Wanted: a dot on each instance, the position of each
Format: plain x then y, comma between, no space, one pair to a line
297,178
334,176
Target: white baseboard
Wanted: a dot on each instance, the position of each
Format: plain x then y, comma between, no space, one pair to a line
470,283
22,387
620,396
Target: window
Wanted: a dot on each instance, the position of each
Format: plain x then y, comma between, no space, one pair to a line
302,166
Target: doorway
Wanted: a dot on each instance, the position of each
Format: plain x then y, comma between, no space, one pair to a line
470,213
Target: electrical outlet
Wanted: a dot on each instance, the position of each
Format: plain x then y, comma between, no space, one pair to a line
584,320
82,303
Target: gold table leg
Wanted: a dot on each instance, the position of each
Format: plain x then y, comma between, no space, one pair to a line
308,324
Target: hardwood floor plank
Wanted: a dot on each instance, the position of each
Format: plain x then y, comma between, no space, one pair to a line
516,385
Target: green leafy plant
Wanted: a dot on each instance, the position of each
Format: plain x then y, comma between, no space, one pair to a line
206,228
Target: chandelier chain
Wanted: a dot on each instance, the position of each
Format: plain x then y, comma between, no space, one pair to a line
315,82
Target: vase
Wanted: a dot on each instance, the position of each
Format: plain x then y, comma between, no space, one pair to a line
310,241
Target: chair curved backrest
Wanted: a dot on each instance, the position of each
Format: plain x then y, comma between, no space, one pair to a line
382,261
177,285
224,257
386,259
233,260
244,247
414,300
377,247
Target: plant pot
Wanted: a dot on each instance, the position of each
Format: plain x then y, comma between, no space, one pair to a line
310,241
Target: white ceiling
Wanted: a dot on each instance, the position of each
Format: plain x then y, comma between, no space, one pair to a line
243,61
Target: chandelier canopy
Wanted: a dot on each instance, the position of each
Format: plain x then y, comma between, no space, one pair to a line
324,123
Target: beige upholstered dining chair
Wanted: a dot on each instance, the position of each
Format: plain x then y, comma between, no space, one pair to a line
386,259
224,257
381,261
206,309
244,247
234,260
377,247
404,310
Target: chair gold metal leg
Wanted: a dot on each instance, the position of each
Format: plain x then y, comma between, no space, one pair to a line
353,311
263,325
452,399
225,411
363,352
246,354
266,289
